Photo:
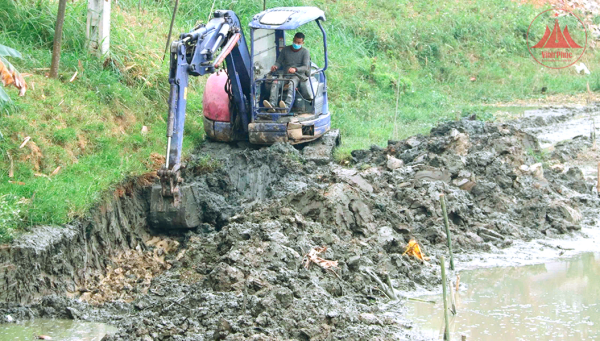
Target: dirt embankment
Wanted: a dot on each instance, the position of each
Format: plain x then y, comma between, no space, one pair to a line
243,273
58,259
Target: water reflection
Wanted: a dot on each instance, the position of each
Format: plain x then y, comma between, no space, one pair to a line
553,301
65,330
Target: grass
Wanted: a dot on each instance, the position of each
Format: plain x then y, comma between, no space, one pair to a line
426,52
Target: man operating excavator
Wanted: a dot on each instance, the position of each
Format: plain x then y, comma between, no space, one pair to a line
293,60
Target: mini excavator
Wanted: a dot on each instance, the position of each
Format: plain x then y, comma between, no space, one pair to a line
233,97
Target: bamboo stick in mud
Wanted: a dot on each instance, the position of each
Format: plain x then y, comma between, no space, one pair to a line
444,294
593,134
452,299
598,185
447,225
457,281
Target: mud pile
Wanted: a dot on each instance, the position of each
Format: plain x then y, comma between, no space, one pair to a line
247,280
496,179
241,275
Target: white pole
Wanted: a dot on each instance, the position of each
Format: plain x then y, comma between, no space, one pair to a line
98,26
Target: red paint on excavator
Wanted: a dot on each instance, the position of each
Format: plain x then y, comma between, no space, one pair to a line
215,101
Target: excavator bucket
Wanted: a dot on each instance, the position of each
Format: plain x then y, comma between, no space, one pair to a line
166,214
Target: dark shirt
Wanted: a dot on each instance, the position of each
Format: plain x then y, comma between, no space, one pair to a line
298,59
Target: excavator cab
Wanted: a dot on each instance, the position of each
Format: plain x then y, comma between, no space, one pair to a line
308,117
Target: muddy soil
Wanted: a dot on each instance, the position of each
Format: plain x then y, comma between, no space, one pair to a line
243,274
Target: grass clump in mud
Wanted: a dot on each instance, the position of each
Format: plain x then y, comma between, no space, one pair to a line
540,156
9,217
204,163
395,69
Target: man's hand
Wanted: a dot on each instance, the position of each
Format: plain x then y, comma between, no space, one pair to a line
292,70
273,68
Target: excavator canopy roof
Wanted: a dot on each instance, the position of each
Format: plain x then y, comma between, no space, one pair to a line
286,18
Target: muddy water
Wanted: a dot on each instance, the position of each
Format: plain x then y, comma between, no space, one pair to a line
557,300
580,123
65,330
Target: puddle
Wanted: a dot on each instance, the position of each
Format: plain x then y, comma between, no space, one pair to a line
557,300
64,330
579,124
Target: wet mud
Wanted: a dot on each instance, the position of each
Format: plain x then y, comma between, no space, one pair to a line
243,273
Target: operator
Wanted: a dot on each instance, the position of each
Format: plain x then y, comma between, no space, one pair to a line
293,59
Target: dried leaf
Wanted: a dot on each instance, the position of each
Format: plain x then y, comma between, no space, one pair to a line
413,249
5,75
22,85
25,142
73,78
16,182
8,76
312,257
54,172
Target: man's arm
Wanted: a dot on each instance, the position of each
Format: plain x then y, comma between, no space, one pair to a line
280,59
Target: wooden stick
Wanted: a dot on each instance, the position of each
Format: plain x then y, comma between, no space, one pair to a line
593,134
457,281
446,321
598,185
452,299
420,300
170,29
447,225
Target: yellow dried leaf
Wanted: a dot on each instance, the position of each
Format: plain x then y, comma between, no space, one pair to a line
5,75
312,257
9,77
54,172
413,249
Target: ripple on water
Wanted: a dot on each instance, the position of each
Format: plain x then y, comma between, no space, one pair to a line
552,301
64,330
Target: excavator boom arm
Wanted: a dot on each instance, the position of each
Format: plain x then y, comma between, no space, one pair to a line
194,54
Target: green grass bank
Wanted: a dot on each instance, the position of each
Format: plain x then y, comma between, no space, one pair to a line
396,69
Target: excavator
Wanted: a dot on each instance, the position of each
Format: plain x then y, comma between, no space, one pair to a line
233,97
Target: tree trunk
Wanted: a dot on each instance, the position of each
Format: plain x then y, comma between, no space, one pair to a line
60,20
